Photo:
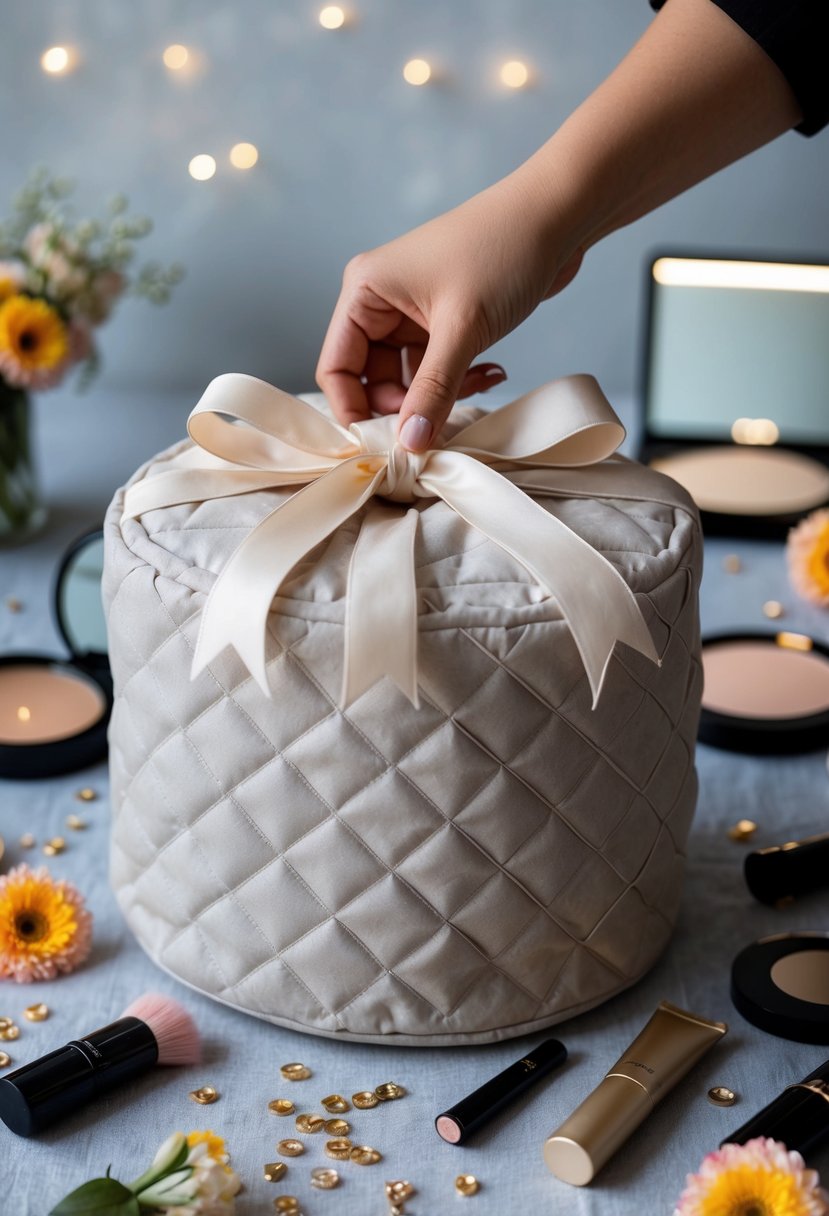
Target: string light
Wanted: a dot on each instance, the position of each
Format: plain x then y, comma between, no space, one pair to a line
332,17
202,167
56,60
244,156
175,57
417,71
515,74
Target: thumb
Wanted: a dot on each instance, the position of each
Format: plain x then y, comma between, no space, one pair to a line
434,390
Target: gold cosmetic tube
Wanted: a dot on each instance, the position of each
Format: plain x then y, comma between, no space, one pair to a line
667,1048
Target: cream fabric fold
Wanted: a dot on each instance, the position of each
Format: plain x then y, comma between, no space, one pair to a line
251,436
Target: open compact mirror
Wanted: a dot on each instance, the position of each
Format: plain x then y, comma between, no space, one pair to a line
736,386
54,712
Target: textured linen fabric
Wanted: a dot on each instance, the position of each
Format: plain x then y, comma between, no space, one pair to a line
486,865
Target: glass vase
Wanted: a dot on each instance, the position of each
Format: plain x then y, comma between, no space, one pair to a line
22,511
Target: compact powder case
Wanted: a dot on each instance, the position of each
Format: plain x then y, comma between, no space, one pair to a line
781,984
735,384
765,693
54,712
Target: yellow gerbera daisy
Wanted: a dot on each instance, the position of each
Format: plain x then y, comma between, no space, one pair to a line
44,926
32,333
807,551
215,1145
760,1178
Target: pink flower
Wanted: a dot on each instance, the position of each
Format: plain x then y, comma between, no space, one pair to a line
760,1177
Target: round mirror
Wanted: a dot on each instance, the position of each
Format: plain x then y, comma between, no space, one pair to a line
80,612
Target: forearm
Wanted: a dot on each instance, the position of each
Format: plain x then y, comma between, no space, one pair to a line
693,95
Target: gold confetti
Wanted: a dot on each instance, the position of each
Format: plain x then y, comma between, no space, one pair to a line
286,1203
339,1149
5,1059
399,1192
389,1091
742,830
295,1072
281,1106
275,1170
36,1013
365,1099
773,609
467,1184
310,1123
14,604
732,564
361,1154
324,1178
721,1095
206,1095
76,823
49,850
335,1104
86,794
9,1033
5,1023
27,841
337,1127
56,845
290,1148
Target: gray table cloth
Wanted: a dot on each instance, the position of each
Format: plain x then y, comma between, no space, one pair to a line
787,797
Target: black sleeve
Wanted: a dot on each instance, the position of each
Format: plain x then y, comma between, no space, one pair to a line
795,35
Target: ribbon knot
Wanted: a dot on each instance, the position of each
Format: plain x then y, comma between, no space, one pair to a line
250,436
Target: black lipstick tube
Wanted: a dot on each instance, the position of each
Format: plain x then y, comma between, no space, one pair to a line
459,1122
783,872
36,1095
799,1116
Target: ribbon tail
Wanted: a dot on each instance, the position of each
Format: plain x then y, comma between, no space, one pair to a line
237,608
595,601
381,606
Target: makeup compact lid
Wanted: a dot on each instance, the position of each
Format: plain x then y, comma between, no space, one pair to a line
79,611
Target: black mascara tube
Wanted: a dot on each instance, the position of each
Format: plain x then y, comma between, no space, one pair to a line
799,1116
459,1122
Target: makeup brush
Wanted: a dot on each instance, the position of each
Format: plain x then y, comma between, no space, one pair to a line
154,1029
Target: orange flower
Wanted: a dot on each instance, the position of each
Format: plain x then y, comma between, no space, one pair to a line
34,343
44,927
807,552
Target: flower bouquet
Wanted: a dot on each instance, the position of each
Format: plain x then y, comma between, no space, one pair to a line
59,280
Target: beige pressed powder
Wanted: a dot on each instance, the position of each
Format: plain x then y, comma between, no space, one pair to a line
756,678
750,481
40,703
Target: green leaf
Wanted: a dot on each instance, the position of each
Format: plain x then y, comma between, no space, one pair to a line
101,1197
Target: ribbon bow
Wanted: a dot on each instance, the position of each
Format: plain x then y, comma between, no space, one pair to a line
251,436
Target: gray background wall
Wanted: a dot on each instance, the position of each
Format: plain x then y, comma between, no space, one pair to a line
350,155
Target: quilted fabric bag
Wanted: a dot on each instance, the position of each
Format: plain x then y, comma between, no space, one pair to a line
402,746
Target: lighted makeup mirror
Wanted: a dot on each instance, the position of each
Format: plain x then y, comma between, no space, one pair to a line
54,712
736,387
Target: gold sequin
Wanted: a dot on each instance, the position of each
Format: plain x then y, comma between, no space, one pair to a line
290,1148
9,1033
49,850
27,841
86,795
286,1203
54,846
467,1184
281,1106
310,1123
295,1072
324,1178
732,564
337,1127
721,1095
365,1099
361,1154
773,609
399,1192
76,823
14,604
275,1170
339,1149
5,1059
36,1013
743,830
335,1104
205,1096
389,1091
5,1023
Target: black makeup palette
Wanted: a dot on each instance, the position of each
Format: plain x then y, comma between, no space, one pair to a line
54,712
781,984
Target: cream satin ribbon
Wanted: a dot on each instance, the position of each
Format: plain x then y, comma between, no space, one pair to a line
252,436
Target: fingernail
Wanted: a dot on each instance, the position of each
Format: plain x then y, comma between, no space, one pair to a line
495,370
415,433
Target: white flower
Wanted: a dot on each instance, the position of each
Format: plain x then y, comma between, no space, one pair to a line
201,1183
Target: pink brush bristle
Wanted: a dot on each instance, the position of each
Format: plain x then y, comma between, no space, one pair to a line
171,1024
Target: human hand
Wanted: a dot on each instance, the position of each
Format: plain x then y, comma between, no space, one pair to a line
424,306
